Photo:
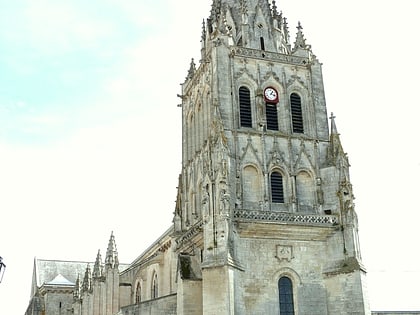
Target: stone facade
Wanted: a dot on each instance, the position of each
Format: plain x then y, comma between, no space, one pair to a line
264,221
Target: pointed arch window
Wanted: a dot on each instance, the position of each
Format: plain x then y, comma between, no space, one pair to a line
271,116
296,110
155,287
138,293
245,107
277,193
286,296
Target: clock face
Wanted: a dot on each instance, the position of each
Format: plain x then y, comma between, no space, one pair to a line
270,94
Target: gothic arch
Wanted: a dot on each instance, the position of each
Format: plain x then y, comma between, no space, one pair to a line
295,281
307,114
154,286
278,187
137,293
245,81
288,272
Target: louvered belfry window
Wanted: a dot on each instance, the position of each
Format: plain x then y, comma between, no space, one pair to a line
296,109
277,194
271,116
245,107
286,296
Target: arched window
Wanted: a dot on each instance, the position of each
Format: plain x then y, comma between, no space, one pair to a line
245,107
296,110
138,293
271,116
277,194
286,296
155,287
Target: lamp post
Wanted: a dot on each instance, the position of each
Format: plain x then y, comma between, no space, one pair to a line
2,269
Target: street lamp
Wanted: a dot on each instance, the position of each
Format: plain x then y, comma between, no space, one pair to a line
2,268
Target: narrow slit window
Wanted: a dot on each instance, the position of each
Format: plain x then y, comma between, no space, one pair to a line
271,116
286,296
155,287
277,194
245,107
138,293
262,43
296,110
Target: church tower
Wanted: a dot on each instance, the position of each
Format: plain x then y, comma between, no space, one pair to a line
265,208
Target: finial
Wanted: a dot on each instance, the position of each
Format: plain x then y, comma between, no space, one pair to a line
300,40
203,32
274,7
192,69
97,268
111,259
86,285
333,126
299,27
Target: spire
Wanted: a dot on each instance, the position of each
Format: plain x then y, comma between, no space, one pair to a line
336,149
300,42
203,32
87,280
111,260
77,288
192,69
97,268
216,8
333,126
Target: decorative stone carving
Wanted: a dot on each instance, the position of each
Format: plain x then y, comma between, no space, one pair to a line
284,252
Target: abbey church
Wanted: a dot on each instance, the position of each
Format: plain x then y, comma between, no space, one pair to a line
264,220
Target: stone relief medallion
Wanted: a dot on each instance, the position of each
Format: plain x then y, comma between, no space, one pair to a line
284,252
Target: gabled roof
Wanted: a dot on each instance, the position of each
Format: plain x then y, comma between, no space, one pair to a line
60,280
47,271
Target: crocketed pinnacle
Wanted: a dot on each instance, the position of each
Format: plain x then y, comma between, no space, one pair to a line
300,39
192,69
97,268
87,280
336,151
111,260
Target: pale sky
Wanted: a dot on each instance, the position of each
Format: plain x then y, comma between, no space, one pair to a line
90,131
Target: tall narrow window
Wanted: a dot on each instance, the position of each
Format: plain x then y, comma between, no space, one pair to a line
296,109
138,293
245,107
286,296
271,116
262,43
276,181
155,287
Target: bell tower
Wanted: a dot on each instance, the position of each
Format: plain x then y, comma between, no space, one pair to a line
265,203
